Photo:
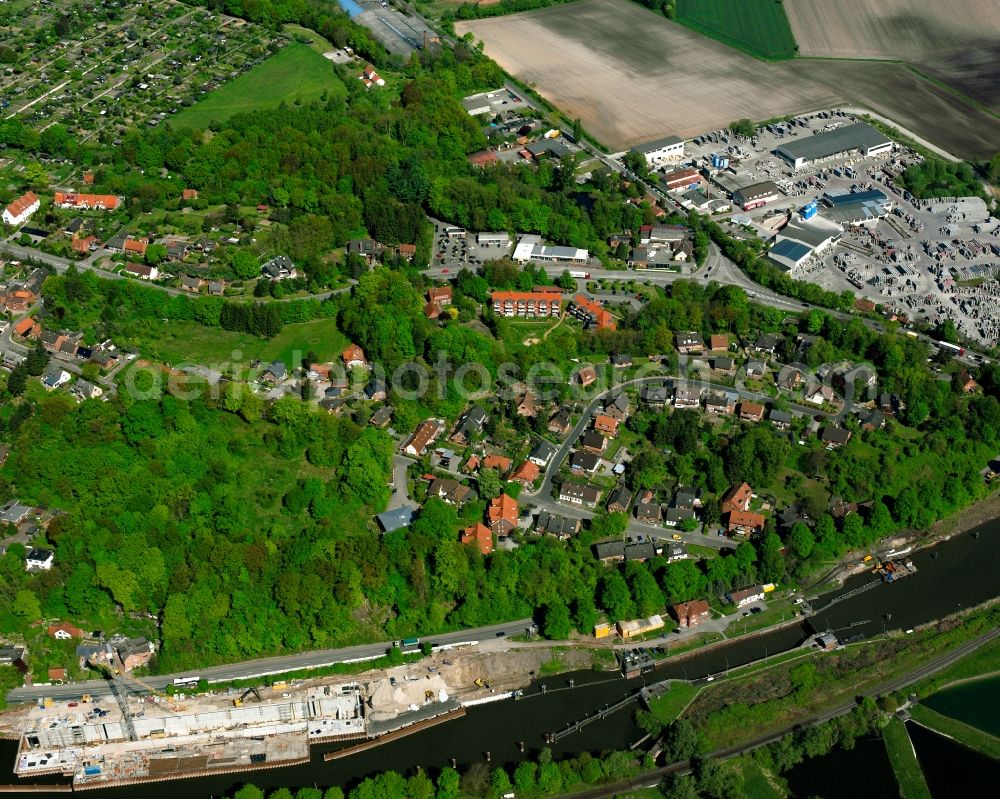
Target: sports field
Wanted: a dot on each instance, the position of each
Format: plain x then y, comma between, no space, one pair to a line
633,76
295,72
956,41
758,27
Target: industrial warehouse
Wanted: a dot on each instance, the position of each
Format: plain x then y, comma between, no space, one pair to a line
857,138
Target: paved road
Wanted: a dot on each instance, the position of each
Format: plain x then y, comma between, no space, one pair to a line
654,777
268,666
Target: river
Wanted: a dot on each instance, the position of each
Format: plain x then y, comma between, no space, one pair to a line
953,575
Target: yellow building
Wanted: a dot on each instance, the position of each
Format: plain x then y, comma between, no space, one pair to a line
638,627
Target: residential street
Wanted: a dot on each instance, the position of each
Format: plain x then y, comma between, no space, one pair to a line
543,500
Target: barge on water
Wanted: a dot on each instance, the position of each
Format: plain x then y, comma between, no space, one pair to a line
892,570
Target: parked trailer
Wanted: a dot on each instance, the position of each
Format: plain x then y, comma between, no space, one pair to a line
578,273
952,347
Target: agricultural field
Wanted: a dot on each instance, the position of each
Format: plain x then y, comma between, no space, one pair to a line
956,41
632,76
758,27
297,72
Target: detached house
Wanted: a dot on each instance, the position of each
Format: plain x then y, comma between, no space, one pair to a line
422,437
751,411
354,356
579,494
480,535
834,437
737,498
745,523
690,343
691,614
606,425
502,515
470,425
20,209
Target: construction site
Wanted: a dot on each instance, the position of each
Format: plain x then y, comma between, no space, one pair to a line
140,736
134,733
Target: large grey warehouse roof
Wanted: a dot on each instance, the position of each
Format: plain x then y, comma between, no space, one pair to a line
860,135
649,146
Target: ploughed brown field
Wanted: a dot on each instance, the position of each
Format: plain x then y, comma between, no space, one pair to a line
956,41
631,76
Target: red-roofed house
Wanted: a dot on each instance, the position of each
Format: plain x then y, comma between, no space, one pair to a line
189,194
483,158
498,462
354,356
502,515
135,247
592,313
743,522
64,631
605,425
479,534
737,498
19,300
86,202
23,328
20,209
526,473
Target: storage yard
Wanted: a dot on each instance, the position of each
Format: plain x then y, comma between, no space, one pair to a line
632,76
840,220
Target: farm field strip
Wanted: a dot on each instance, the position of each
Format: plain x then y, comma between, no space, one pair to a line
632,76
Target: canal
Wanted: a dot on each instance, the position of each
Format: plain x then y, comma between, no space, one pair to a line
957,574
977,703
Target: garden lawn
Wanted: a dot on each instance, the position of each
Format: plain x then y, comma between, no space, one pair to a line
296,72
175,342
757,27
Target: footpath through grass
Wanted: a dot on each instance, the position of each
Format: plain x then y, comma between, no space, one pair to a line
757,27
296,72
982,742
905,765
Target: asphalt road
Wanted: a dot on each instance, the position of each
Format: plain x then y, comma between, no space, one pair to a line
268,666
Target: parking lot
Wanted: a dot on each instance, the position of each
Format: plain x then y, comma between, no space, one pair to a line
929,260
459,250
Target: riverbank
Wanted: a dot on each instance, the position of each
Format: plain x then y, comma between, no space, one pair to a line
903,758
969,736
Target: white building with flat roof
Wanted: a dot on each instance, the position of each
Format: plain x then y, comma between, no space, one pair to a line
530,248
670,148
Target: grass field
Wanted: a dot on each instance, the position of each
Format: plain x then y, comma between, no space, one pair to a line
297,72
317,42
905,765
965,734
177,342
668,707
757,27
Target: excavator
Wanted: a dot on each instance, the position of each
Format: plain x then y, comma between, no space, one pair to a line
246,693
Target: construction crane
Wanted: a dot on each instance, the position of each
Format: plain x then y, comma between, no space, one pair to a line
119,690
